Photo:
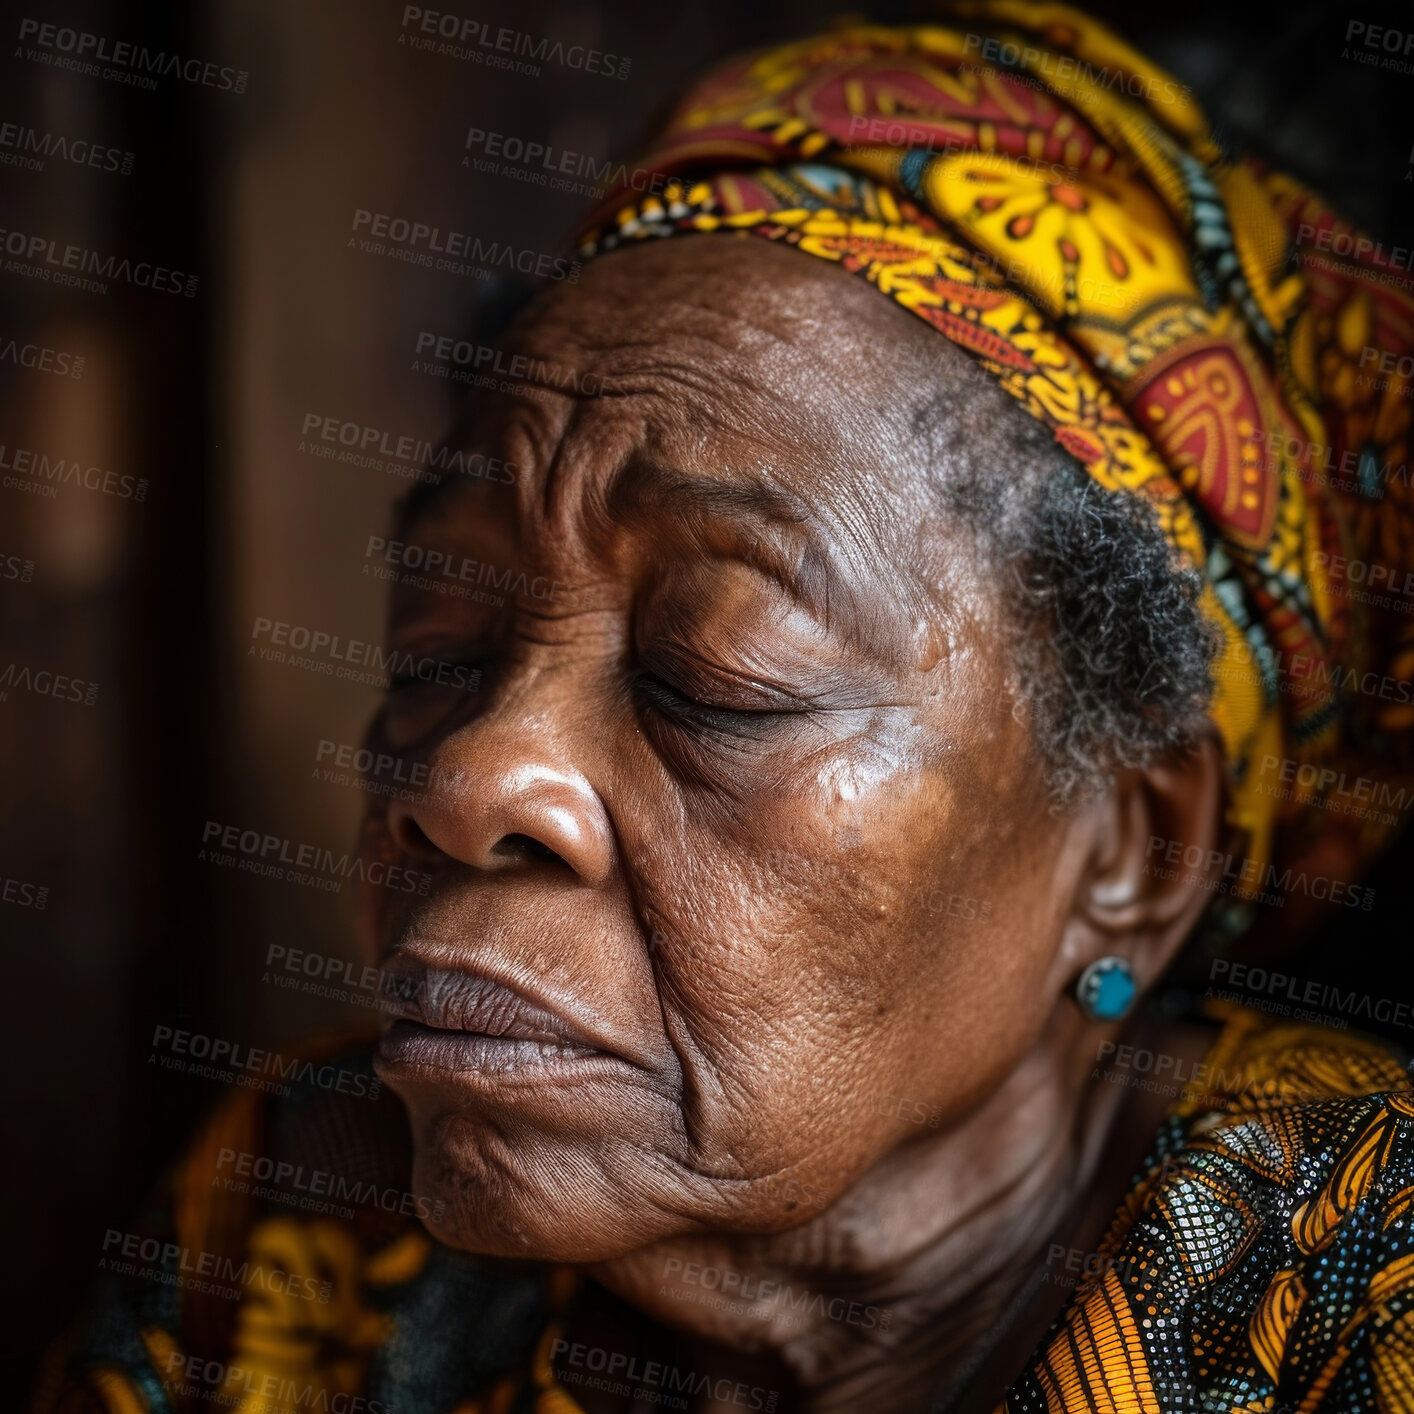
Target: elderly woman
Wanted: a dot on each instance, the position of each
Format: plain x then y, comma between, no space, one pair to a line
945,552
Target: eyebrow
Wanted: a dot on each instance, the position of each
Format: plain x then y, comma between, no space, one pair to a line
643,484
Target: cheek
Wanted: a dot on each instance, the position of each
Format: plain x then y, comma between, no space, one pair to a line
859,937
966,911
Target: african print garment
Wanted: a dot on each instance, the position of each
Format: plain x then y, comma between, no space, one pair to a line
1264,1261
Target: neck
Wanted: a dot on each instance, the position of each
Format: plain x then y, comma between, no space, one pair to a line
893,1294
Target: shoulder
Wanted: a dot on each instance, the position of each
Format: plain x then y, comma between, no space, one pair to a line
1307,1172
283,1259
1266,1251
1297,1130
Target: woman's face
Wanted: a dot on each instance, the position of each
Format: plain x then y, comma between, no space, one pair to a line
742,870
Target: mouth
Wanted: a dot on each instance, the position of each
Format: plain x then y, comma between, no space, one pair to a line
480,1028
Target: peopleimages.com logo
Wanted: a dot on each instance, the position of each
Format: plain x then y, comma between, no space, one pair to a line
43,257
400,454
24,146
1062,72
1379,46
41,358
176,1048
167,1263
83,52
453,252
195,1379
556,168
23,895
353,659
40,472
43,682
501,47
256,852
280,1180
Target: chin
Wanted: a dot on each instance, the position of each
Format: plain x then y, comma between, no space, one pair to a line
533,1197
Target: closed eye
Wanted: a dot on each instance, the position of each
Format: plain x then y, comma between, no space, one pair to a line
679,707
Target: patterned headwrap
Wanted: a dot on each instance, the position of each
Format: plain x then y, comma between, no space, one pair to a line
1192,327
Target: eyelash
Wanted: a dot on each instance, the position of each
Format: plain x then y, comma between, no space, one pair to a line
668,701
676,705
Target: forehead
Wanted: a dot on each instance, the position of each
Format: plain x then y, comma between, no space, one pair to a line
713,359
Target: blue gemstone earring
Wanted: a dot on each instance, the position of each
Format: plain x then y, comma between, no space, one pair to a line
1105,990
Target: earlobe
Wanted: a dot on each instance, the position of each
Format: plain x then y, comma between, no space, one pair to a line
1132,909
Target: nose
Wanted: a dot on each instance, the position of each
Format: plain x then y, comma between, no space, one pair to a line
502,795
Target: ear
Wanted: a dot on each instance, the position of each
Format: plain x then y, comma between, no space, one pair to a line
1130,901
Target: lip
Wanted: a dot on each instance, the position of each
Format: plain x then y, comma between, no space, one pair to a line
408,1047
476,1023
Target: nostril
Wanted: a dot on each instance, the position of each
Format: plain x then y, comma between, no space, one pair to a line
526,847
527,817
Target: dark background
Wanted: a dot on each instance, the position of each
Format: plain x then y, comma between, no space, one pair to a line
205,398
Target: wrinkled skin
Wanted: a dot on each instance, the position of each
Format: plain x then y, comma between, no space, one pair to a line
751,795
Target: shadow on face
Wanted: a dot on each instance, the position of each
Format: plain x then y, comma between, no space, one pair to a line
737,844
